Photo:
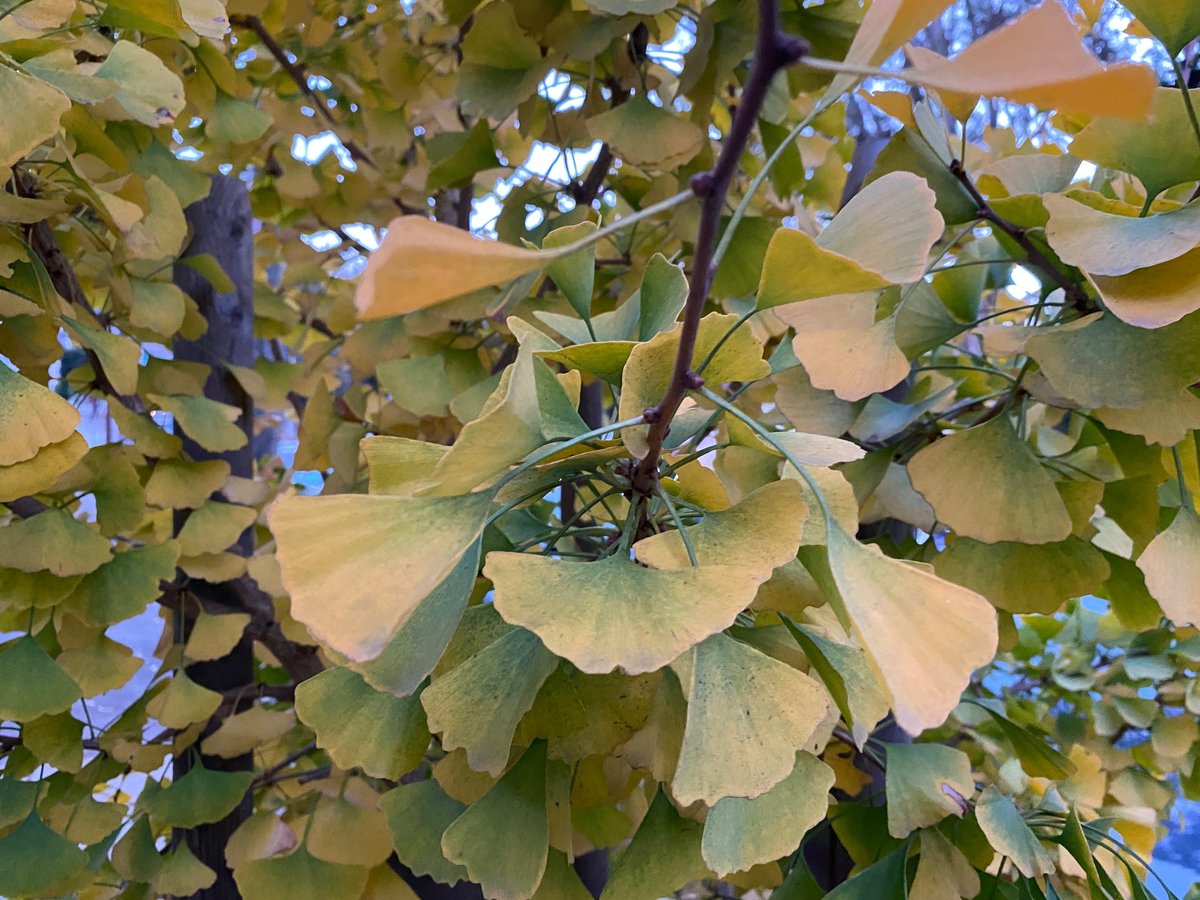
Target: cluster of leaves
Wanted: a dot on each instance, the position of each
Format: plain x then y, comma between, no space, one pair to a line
645,526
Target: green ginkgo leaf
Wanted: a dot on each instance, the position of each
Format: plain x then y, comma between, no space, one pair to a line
478,704
210,424
748,714
34,859
53,541
418,815
648,136
357,567
32,684
182,874
1024,578
614,613
399,465
214,527
986,483
298,876
923,635
1174,22
926,783
664,855
798,268
561,881
943,872
574,275
741,833
125,585
1007,832
360,727
503,839
416,647
737,536
199,797
135,856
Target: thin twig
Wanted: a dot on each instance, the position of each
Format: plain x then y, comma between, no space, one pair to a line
775,51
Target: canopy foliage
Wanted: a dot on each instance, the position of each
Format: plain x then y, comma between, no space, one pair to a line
657,515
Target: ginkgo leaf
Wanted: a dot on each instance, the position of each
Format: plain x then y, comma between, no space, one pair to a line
125,585
1007,832
1164,421
31,416
1155,296
34,859
215,636
135,857
503,839
298,876
737,535
200,796
887,25
417,816
1040,59
416,647
357,567
656,746
1104,243
344,832
118,355
748,714
798,268
246,731
210,424
478,704
146,88
399,465
844,670
814,449
853,363
44,106
183,702
646,135
1174,22
924,636
614,613
1167,361
214,527
420,262
39,472
1024,578
360,727
741,833
32,684
1171,564
182,874
926,783
1150,149
943,872
663,856
888,228
986,483
648,371
574,275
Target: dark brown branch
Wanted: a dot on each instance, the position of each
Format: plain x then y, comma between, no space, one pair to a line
1075,294
775,51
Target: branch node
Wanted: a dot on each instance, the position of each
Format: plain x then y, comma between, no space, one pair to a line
790,49
703,184
651,415
692,381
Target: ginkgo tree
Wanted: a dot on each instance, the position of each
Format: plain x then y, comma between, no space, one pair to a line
681,499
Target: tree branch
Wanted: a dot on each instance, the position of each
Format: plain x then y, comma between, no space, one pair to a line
1075,294
775,51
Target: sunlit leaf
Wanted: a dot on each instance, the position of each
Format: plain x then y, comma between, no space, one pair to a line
1171,564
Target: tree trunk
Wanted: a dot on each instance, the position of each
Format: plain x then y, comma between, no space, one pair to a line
220,226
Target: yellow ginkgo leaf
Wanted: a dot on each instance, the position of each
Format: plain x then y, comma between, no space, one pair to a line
1164,421
741,833
1104,243
41,105
1040,59
421,262
853,363
41,470
924,636
53,541
762,532
887,25
986,483
648,136
614,613
1155,296
943,872
797,268
748,715
31,417
183,702
1171,564
214,637
357,566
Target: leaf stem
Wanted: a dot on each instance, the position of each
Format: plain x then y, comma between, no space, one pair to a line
774,51
1185,495
683,535
1181,80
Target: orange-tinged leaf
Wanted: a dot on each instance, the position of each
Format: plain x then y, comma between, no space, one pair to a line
1040,59
421,262
888,25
